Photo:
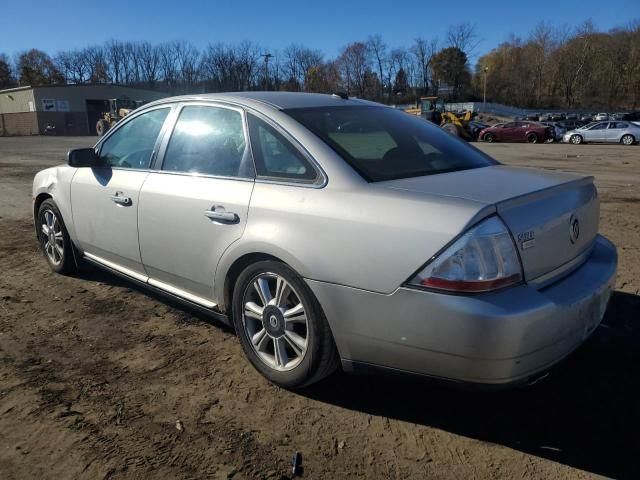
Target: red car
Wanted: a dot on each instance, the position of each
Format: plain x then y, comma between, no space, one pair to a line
532,132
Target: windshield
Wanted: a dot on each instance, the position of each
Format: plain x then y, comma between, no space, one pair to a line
383,143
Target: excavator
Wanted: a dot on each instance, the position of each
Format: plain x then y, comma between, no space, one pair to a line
433,109
118,109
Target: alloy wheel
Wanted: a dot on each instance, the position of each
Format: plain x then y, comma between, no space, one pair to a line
52,237
275,321
627,139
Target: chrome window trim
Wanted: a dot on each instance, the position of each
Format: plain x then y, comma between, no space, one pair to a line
170,127
170,105
321,179
165,135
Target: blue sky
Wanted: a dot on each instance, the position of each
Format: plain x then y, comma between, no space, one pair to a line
327,25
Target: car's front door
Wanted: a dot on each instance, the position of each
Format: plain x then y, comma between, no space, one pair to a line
196,204
597,133
509,132
104,199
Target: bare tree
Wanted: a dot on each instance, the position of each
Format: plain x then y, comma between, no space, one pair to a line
463,37
378,50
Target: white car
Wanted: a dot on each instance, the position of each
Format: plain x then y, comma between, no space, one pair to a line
601,116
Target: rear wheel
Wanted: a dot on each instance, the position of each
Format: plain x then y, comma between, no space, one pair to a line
532,138
576,139
627,139
489,137
281,326
54,239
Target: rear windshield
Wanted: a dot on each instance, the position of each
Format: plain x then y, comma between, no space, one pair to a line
383,143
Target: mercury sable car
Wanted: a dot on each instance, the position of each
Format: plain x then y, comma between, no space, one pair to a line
331,231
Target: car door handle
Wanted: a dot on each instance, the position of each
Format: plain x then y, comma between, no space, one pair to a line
226,218
121,199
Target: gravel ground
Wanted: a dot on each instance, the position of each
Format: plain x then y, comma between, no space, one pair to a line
97,375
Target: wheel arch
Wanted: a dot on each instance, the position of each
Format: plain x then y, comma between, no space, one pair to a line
37,201
232,273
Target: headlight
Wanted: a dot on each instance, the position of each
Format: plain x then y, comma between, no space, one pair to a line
481,260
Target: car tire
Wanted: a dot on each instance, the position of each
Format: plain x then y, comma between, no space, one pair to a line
489,137
532,138
102,127
54,239
281,326
576,139
628,139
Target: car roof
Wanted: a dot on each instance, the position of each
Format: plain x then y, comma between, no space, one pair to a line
278,100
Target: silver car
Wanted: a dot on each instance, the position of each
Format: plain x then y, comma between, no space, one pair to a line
337,232
623,132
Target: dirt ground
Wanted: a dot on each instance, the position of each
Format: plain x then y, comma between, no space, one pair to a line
95,374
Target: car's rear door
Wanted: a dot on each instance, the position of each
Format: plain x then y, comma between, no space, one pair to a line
614,132
195,204
104,199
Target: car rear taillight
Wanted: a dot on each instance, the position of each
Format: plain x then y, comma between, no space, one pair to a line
481,260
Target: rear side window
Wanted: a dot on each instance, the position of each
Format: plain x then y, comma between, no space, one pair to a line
208,140
383,143
132,144
275,156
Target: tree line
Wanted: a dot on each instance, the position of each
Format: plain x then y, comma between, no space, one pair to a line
551,66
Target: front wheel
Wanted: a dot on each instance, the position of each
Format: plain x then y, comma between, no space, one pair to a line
576,139
532,138
627,140
102,127
489,137
53,238
281,326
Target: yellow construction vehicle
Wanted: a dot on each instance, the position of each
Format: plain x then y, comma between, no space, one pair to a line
457,124
434,110
118,109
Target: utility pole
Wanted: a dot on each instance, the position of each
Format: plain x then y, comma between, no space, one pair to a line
266,57
484,89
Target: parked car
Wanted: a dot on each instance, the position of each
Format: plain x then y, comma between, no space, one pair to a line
626,133
532,132
601,116
571,116
572,124
326,230
632,116
558,130
476,127
533,116
587,117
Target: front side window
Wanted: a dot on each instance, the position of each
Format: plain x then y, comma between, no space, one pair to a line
131,146
383,143
208,140
275,156
599,126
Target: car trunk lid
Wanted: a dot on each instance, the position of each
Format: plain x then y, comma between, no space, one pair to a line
552,216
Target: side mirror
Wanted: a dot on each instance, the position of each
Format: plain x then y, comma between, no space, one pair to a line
82,157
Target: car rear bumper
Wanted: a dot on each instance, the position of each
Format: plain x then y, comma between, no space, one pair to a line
500,338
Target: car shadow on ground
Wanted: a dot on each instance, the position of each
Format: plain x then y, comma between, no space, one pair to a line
191,313
585,414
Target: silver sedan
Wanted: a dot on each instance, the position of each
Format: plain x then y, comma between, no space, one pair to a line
623,132
333,232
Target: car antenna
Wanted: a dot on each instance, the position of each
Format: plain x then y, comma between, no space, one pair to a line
342,95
